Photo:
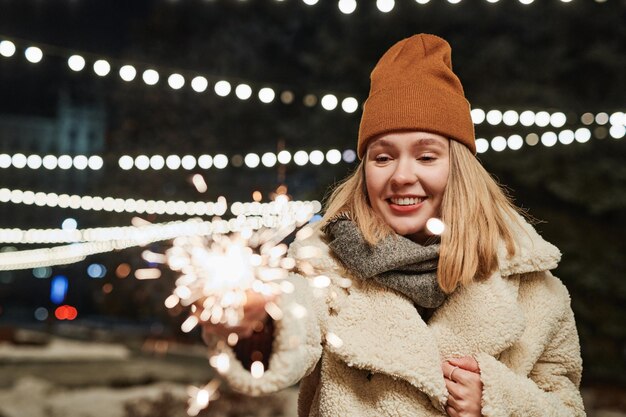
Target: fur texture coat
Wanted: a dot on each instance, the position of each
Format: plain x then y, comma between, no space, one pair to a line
360,349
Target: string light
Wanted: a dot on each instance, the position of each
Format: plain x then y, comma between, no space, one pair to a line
222,88
116,238
140,206
33,54
243,91
80,162
128,73
150,77
110,204
76,63
385,6
176,81
266,95
199,84
548,139
617,121
347,6
101,67
7,48
330,102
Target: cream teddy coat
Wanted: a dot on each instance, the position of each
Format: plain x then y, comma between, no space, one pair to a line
360,349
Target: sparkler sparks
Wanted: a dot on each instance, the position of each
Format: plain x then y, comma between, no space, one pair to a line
199,398
218,272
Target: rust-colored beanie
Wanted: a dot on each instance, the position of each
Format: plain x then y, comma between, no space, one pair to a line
413,88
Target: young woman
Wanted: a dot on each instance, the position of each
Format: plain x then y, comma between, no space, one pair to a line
467,323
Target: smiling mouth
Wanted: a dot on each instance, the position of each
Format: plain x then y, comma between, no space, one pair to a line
406,201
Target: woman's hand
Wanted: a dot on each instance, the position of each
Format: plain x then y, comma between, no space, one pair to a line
462,377
254,315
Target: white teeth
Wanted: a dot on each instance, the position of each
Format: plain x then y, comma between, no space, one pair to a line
406,201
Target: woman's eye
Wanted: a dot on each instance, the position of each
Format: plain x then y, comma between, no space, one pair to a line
426,158
382,158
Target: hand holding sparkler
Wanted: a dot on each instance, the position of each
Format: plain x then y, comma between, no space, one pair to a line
232,282
254,315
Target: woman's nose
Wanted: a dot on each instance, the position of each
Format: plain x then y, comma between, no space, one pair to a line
405,173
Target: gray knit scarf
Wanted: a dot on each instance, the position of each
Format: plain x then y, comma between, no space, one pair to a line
395,262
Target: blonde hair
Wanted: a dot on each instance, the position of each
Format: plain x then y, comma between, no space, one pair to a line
477,213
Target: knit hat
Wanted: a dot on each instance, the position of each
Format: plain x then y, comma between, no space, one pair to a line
413,88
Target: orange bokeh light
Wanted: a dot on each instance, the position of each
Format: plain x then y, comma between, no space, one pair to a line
122,270
66,312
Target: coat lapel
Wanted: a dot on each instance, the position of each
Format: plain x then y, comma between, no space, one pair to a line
381,331
481,317
485,316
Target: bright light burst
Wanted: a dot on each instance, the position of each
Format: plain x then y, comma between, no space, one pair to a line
199,398
217,271
217,274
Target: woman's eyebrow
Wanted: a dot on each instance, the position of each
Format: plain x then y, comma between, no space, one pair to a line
384,143
429,142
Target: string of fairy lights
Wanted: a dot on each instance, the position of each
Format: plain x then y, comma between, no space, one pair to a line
151,75
617,130
248,216
141,206
386,6
244,89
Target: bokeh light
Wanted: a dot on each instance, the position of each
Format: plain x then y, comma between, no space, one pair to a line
498,144
284,157
205,161
266,95
349,104
268,159
128,73
333,156
69,224
482,145
222,88
41,313
515,142
188,162
101,67
123,270
316,157
33,54
329,102
199,84
150,77
349,156
7,49
76,63
172,162
176,81
301,158
478,116
96,271
549,139
347,6
252,160
385,6
220,161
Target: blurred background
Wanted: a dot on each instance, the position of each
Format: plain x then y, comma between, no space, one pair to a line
114,113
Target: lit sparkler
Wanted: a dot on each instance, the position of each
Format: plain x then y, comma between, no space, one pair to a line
199,398
217,272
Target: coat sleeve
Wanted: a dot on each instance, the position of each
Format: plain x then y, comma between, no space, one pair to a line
296,348
551,388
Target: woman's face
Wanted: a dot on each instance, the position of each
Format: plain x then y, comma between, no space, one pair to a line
406,174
